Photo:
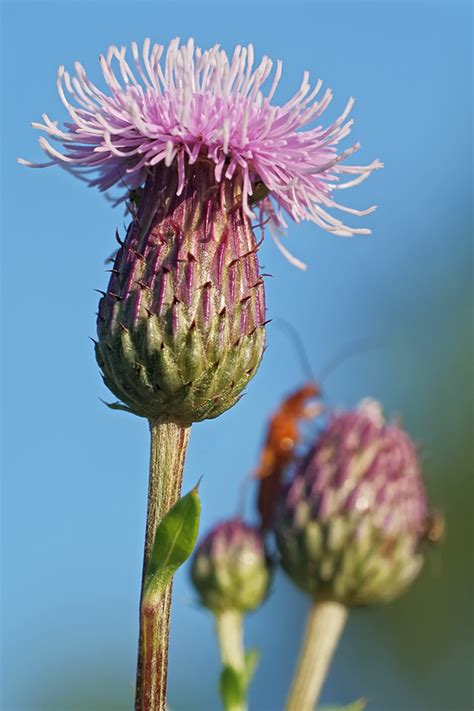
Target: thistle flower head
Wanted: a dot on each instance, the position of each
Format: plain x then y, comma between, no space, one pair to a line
198,141
354,515
184,105
231,570
181,328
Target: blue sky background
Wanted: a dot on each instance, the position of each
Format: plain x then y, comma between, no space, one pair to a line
75,474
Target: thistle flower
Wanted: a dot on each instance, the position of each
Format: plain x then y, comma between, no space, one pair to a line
231,570
354,516
200,148
197,106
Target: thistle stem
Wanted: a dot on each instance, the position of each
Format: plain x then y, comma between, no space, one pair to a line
168,446
323,629
230,634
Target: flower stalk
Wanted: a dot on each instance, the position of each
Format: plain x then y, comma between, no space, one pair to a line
324,627
168,446
229,631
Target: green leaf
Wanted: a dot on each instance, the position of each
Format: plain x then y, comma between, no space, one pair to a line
234,683
174,541
232,687
252,658
356,706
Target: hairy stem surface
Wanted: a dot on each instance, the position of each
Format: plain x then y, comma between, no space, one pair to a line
169,442
323,629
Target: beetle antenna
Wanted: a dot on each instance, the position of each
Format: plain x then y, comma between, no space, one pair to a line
351,349
298,345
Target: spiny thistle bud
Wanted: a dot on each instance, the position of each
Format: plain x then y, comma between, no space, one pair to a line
231,570
181,327
353,518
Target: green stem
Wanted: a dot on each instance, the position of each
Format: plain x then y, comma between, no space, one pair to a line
231,640
169,442
323,629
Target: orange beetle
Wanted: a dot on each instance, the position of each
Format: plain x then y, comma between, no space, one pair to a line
282,437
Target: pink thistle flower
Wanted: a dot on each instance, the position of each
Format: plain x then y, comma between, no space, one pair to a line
187,105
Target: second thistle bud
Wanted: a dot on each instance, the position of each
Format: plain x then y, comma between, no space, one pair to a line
352,519
231,570
181,327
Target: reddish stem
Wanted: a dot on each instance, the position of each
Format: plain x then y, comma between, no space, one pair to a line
167,452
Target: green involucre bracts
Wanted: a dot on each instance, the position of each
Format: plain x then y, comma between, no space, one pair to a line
181,328
231,569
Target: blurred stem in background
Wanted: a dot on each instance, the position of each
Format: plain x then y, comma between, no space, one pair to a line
229,631
168,446
324,627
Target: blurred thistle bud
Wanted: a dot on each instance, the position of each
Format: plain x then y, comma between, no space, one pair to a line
181,327
352,520
231,569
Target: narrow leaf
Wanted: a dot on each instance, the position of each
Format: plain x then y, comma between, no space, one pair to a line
252,658
174,541
232,687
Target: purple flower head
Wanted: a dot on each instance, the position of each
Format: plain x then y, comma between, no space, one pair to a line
355,514
233,536
362,464
185,105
